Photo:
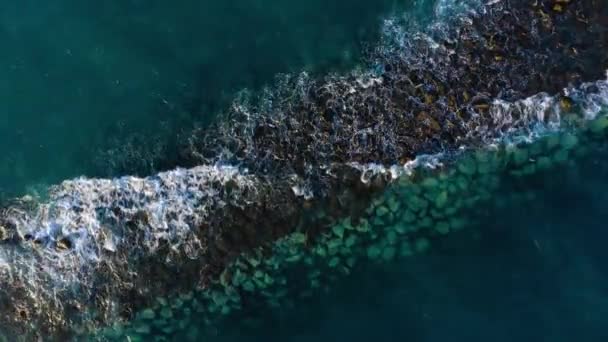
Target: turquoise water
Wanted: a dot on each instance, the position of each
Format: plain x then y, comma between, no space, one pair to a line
105,89
529,266
501,240
532,268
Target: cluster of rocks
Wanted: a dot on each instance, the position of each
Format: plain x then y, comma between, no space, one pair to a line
406,219
100,251
428,91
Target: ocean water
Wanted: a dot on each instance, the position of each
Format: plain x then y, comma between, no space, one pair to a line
499,237
105,89
531,267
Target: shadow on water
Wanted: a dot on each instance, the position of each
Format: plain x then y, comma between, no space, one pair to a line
533,268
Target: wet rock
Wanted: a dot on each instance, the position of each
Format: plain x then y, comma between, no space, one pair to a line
599,125
568,141
64,244
4,235
320,135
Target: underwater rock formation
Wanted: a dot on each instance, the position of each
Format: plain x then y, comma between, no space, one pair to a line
98,250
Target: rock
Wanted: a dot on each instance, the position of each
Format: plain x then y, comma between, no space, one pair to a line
408,216
162,301
391,237
430,182
63,244
381,211
451,211
393,204
351,261
442,228
334,262
462,183
115,331
400,228
484,168
405,249
561,156
373,252
529,169
333,245
517,173
482,156
543,163
350,241
378,201
426,222
441,200
457,223
226,310
568,141
177,303
422,245
133,337
452,189
416,203
160,338
347,224
437,214
142,328
148,314
552,141
166,313
168,330
300,238
338,230
389,253
520,156
363,226
3,233
193,333
267,279
535,149
160,323
599,125
467,166
378,221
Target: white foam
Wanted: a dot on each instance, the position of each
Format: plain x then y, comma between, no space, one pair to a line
541,114
511,122
425,161
94,214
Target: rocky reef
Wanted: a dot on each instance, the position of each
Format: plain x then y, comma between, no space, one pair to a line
426,92
302,165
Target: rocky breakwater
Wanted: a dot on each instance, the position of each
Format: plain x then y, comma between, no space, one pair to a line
97,251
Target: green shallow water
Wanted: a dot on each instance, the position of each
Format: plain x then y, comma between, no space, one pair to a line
529,264
104,89
531,269
497,239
